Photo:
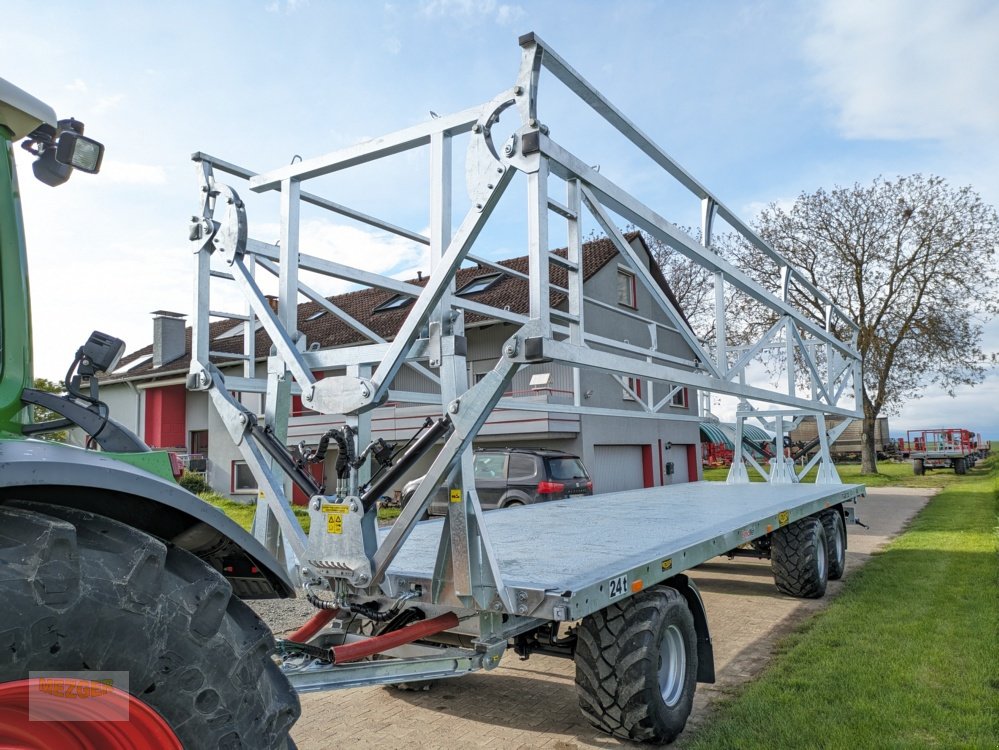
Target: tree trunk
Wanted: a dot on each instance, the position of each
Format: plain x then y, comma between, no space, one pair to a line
868,453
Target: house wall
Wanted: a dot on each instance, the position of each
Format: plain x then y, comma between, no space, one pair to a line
576,434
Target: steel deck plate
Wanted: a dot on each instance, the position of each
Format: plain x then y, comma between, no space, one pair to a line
567,545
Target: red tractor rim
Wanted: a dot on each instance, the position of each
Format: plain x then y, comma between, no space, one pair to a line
32,718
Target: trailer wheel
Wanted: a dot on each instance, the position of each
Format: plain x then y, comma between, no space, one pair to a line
799,559
82,592
832,520
960,466
636,666
918,467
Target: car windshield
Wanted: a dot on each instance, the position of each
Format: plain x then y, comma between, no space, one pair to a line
569,467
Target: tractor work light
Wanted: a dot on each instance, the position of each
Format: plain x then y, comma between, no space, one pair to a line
101,353
79,152
61,151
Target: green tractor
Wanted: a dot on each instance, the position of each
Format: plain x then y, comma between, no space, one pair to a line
122,621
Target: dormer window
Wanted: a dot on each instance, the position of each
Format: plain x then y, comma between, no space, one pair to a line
397,302
480,284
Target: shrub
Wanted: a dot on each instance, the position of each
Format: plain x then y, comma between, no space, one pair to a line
194,483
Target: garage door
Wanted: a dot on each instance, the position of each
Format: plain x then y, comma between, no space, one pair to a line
617,467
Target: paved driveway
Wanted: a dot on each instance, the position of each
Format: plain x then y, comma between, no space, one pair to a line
532,704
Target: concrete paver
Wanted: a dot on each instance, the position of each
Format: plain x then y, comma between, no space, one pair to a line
532,704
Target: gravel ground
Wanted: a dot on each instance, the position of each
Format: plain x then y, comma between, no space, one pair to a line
283,615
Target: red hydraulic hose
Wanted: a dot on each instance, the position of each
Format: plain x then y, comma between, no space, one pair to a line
402,636
316,623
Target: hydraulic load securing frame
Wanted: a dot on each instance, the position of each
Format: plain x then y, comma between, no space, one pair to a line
455,565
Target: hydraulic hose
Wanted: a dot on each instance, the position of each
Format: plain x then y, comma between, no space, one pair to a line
317,622
402,636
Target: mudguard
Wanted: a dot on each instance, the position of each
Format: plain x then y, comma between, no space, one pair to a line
89,480
705,652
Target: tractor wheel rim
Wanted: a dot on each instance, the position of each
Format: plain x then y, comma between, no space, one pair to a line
672,666
79,715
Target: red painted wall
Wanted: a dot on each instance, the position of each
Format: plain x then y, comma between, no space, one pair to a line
166,417
647,478
297,496
692,463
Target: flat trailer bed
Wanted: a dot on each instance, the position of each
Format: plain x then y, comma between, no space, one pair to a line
576,551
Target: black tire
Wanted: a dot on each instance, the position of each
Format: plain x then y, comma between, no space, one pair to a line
620,654
82,591
918,467
835,529
960,466
799,559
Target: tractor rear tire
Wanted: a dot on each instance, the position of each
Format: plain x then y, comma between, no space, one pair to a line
960,466
799,558
918,467
636,666
832,520
82,592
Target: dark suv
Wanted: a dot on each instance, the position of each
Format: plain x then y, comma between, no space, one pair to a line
505,477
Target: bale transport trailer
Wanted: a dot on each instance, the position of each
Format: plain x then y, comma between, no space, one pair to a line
945,448
600,580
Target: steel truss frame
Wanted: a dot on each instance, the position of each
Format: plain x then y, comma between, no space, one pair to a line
355,560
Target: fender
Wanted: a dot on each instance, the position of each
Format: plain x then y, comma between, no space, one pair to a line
705,652
89,480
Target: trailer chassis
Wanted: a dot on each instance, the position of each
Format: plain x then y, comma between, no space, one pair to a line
464,561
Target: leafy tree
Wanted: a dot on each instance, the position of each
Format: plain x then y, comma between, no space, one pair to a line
44,415
913,260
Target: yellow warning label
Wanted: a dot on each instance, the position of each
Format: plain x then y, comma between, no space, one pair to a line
334,523
332,508
667,564
455,496
783,517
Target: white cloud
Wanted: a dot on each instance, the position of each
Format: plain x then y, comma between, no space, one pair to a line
107,103
78,86
900,69
473,10
133,174
369,250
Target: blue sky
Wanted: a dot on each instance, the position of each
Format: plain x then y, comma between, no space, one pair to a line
760,101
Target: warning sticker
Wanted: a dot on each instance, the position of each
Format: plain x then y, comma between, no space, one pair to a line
335,508
334,523
667,564
783,517
455,496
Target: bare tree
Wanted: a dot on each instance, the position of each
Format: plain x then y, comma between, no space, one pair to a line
914,262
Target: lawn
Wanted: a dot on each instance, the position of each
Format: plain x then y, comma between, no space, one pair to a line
889,475
243,513
907,655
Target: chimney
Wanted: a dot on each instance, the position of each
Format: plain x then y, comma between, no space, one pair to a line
272,301
169,339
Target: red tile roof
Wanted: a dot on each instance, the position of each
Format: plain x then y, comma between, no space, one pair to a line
510,293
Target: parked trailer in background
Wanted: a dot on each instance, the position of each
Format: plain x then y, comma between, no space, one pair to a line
849,444
944,448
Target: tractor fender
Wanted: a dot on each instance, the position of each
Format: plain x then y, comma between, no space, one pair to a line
89,480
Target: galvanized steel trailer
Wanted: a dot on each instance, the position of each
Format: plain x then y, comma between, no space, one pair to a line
600,580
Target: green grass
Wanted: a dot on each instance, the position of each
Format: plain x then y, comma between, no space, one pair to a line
243,513
889,475
907,655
